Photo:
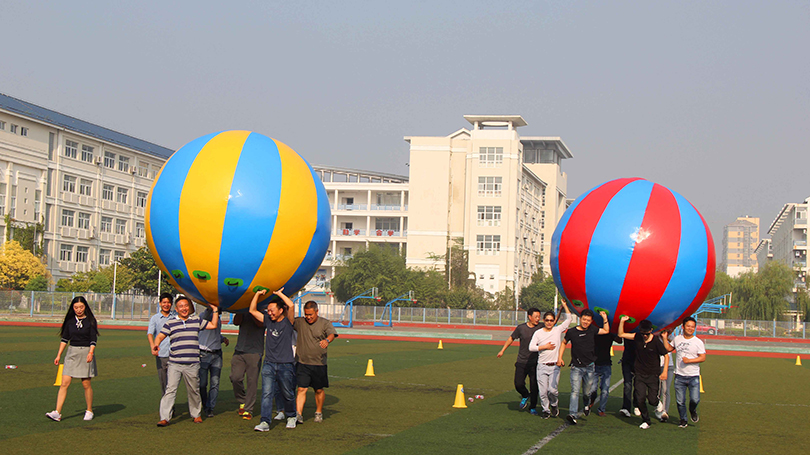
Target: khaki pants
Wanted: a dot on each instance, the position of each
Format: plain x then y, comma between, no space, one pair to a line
191,376
245,388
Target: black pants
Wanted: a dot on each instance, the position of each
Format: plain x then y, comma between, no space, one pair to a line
521,371
627,375
646,387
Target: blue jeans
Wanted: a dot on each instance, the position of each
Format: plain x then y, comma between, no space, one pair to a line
210,364
681,384
278,376
602,381
578,374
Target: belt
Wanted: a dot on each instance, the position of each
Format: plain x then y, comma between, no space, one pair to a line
211,352
550,364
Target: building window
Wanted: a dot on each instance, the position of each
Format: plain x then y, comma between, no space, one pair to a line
123,163
67,217
109,160
121,195
106,224
81,253
490,186
13,209
14,128
103,257
107,192
23,131
86,187
87,153
488,244
66,253
490,156
141,201
70,149
120,226
3,198
83,222
119,255
69,184
37,205
386,224
139,231
2,126
489,215
389,200
143,169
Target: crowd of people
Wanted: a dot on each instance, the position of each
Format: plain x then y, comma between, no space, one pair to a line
289,353
649,368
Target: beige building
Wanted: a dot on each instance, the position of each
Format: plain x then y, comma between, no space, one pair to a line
740,240
788,233
86,183
500,193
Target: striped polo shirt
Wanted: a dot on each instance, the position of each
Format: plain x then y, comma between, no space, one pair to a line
184,339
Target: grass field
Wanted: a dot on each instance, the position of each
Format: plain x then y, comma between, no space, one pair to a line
751,405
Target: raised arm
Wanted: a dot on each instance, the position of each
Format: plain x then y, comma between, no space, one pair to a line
605,326
212,324
253,310
289,303
665,340
622,334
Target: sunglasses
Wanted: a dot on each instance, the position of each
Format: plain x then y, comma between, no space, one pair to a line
549,320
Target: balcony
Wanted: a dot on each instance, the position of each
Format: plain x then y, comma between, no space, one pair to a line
386,233
389,207
350,207
350,232
798,243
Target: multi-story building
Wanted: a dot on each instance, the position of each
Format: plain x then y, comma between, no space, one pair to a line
740,240
87,184
764,253
367,208
788,233
500,193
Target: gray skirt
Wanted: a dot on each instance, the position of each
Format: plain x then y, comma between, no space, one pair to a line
76,365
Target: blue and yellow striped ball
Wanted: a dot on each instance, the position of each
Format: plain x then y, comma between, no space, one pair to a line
234,212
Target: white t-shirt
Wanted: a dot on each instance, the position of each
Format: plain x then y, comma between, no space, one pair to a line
554,335
687,349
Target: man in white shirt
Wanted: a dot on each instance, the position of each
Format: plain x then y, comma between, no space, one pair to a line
690,352
546,342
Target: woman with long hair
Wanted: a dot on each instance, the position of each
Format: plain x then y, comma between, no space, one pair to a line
80,329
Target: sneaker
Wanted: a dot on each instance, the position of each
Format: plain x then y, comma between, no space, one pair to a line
263,426
247,415
545,415
694,415
587,411
318,417
682,424
241,409
636,411
53,415
644,425
299,418
555,411
280,416
197,420
664,417
600,413
624,412
534,412
88,415
571,419
659,410
524,403
291,422
163,423
210,413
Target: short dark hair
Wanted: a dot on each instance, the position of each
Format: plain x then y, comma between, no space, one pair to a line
531,311
550,313
311,305
645,326
586,312
182,297
279,304
165,295
688,319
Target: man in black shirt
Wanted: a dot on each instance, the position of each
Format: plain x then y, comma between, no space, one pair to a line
526,364
603,371
583,356
649,349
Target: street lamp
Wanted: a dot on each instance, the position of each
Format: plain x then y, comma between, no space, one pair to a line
115,273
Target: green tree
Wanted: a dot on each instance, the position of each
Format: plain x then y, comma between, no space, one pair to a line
29,235
539,294
38,283
145,273
379,266
764,295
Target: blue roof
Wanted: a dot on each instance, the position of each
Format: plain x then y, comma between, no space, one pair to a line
80,126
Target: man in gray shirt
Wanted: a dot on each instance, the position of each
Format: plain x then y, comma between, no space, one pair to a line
246,363
210,362
526,363
155,325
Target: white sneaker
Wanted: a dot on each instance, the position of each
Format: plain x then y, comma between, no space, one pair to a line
263,426
644,425
636,411
291,422
624,412
280,416
318,417
53,415
659,410
299,418
88,415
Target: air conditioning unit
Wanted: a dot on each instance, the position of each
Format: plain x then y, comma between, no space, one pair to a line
99,160
133,170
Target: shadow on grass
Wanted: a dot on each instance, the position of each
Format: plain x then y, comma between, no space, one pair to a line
98,411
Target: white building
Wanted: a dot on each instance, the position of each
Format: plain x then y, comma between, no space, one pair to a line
788,233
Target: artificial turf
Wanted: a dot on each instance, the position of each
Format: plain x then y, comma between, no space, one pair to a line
751,405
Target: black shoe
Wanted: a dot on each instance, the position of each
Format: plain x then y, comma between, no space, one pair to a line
210,413
571,419
554,411
694,415
587,411
545,415
683,424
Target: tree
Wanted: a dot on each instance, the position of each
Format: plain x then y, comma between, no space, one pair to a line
539,294
29,235
18,266
763,295
380,267
38,283
145,273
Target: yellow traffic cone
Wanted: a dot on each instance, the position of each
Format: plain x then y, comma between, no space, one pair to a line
701,384
798,359
461,402
440,345
370,368
611,351
58,382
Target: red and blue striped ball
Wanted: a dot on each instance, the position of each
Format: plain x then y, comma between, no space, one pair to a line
633,247
235,212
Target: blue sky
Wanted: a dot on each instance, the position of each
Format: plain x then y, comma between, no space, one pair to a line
708,98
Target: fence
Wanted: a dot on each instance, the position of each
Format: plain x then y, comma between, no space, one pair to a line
42,304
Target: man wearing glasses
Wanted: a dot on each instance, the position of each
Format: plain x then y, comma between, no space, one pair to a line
546,342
